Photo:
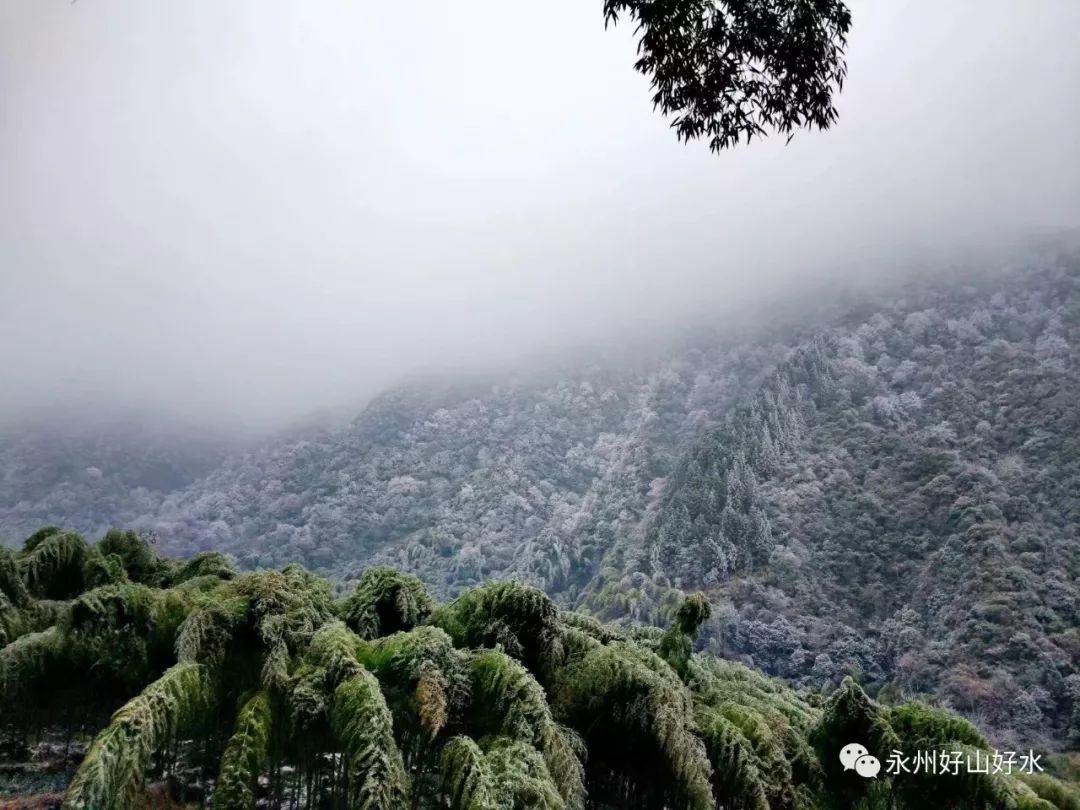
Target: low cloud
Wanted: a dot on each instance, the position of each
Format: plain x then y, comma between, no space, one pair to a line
243,214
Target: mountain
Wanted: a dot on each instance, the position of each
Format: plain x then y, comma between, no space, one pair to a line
95,474
885,489
899,500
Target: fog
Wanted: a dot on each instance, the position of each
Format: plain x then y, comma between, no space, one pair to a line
242,212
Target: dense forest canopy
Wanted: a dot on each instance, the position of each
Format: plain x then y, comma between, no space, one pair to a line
234,690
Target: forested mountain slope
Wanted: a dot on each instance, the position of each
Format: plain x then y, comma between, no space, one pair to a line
899,500
529,478
888,491
94,474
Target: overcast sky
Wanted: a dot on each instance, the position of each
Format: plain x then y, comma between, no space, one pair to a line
248,210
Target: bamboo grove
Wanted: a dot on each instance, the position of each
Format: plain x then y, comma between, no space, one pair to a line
263,689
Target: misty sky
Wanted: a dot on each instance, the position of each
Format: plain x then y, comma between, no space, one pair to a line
247,210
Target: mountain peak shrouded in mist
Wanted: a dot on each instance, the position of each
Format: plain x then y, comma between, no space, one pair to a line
887,487
240,217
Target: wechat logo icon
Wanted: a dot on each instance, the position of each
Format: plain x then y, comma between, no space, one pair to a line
855,757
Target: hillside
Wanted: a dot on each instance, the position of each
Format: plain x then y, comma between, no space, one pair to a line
899,500
95,474
885,491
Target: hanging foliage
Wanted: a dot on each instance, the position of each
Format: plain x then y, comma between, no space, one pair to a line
266,692
113,772
246,756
